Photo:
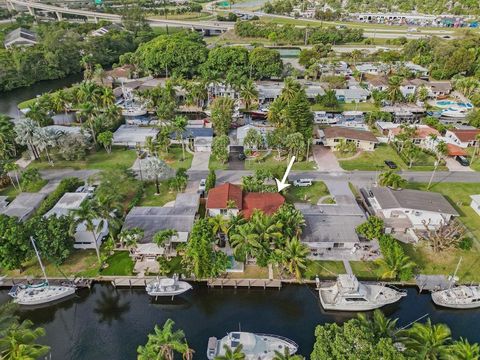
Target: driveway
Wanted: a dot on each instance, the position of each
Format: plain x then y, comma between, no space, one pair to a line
325,159
340,190
200,160
453,165
234,163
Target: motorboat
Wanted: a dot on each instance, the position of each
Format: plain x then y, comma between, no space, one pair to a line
40,294
132,112
458,297
254,346
454,112
167,287
348,294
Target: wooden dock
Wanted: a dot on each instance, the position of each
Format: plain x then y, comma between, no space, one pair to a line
245,283
78,282
132,281
432,282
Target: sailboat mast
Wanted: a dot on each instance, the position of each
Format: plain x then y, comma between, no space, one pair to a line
455,273
38,257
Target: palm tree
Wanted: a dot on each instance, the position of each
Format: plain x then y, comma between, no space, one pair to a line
38,114
45,138
286,355
276,111
244,242
90,215
25,131
249,93
219,224
294,257
235,221
164,343
106,97
230,354
441,150
380,325
155,169
393,92
12,167
7,135
475,150
391,179
396,263
292,220
463,350
18,342
290,89
180,125
267,228
426,341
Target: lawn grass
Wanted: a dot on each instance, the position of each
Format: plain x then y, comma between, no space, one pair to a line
120,263
250,272
26,104
270,164
363,106
367,270
325,269
444,263
475,165
12,192
375,160
80,263
214,164
308,194
149,197
174,158
100,160
458,194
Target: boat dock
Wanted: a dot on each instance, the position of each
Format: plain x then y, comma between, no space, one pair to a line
78,282
432,282
245,283
131,282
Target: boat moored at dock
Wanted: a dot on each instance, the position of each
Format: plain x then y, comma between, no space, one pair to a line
458,297
167,287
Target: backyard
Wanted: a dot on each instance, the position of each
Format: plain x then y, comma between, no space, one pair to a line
11,192
120,263
324,269
363,106
149,198
309,194
375,160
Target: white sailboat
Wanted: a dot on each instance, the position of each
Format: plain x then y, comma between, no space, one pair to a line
167,287
42,293
348,294
254,346
458,297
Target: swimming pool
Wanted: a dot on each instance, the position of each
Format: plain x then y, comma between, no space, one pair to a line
449,103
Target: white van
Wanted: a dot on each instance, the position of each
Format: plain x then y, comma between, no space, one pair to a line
302,182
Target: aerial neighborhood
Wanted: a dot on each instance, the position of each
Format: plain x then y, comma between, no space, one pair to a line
197,156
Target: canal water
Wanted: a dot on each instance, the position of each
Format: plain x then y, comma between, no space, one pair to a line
108,323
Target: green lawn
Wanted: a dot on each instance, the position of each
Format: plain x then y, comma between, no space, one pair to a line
150,199
80,263
458,194
475,165
174,158
120,263
27,103
11,192
310,194
324,269
374,160
269,163
214,164
367,270
100,160
444,263
364,106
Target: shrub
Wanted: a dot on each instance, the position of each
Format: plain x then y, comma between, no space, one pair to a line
66,185
465,243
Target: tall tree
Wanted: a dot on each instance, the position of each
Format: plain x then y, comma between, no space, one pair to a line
180,126
222,112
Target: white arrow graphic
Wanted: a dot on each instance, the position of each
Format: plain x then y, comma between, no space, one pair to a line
284,184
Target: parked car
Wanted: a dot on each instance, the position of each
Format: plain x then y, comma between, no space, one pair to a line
201,186
241,156
390,164
302,182
462,160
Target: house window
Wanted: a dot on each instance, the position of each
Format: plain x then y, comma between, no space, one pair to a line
338,245
223,211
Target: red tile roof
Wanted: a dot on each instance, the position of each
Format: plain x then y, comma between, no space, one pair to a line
466,135
454,150
219,196
267,202
422,132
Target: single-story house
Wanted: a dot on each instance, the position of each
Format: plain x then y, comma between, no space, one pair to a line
475,204
416,69
406,209
215,90
330,227
370,68
242,131
84,239
229,199
463,138
131,135
268,91
24,205
405,113
152,219
200,138
423,134
339,68
20,37
352,94
364,140
379,83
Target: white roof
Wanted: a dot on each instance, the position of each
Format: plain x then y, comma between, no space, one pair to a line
68,202
132,134
475,198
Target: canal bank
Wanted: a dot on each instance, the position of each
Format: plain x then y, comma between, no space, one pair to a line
109,323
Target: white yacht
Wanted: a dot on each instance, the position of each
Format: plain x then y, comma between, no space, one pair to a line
167,287
458,297
254,346
42,293
348,294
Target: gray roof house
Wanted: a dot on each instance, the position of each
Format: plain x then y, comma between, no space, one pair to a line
131,135
20,37
353,94
406,210
24,205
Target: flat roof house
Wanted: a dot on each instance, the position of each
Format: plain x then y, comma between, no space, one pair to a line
462,138
353,94
84,239
24,205
405,209
201,138
131,135
364,140
20,37
229,199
